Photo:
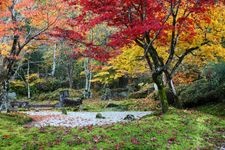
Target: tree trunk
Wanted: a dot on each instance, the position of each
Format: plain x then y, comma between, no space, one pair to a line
28,76
70,76
70,71
163,99
54,61
4,96
173,90
70,83
88,76
161,91
175,96
171,85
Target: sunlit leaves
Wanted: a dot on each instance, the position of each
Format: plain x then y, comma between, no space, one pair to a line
4,4
130,61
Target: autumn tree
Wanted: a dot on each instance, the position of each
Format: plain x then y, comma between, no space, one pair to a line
86,44
151,25
127,64
23,22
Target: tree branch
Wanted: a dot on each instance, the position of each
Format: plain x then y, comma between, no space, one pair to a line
187,51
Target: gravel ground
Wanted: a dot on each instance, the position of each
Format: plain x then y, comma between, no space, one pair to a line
79,119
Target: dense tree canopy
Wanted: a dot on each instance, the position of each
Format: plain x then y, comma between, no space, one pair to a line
152,25
118,34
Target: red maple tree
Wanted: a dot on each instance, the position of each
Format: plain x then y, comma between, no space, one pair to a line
149,24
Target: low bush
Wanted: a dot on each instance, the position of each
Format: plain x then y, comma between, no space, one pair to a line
211,88
55,94
47,85
37,85
201,92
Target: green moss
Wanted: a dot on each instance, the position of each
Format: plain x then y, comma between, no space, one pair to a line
122,105
178,129
217,109
16,118
163,99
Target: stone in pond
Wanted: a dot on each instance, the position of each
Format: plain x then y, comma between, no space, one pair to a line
99,116
129,117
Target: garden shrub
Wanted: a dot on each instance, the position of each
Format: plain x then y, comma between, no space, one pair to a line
211,88
48,84
19,87
55,94
37,85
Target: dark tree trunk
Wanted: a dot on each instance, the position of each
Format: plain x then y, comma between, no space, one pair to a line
161,91
4,95
173,90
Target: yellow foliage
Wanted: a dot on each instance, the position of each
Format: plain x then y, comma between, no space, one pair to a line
18,84
4,50
213,31
107,75
129,63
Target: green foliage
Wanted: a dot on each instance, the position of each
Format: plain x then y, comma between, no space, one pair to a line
145,90
37,85
209,89
54,95
214,72
47,85
195,93
64,111
18,86
201,92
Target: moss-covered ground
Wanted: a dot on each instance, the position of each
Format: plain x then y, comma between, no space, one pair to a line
200,128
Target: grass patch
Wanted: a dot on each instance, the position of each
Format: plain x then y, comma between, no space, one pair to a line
217,109
17,118
178,129
122,105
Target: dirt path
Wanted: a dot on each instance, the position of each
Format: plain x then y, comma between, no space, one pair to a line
79,119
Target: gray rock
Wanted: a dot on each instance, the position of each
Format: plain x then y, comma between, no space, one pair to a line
123,94
222,147
129,117
99,116
12,96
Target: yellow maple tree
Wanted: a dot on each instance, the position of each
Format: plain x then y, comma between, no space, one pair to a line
128,63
